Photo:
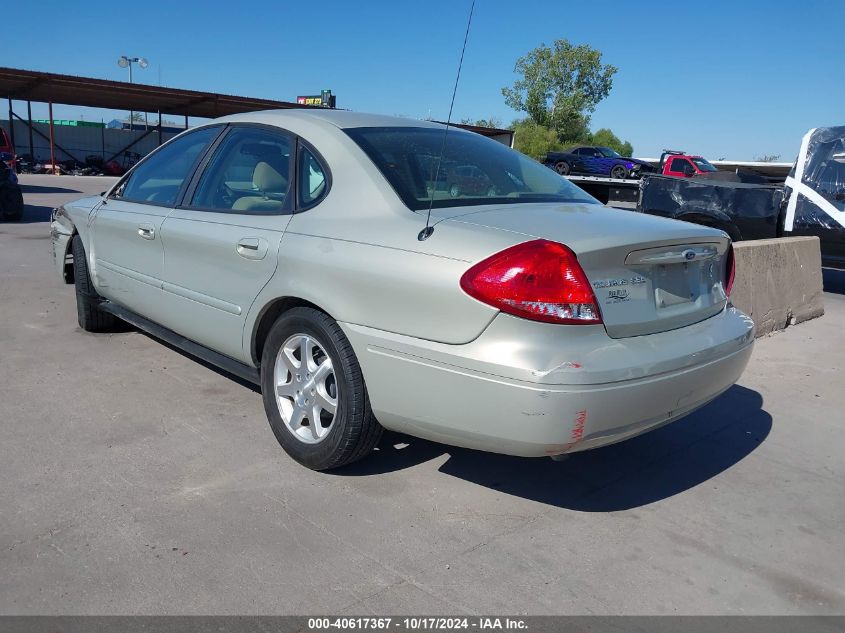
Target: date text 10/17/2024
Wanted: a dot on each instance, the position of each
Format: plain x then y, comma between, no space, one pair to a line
417,623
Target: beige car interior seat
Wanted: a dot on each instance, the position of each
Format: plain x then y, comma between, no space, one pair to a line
273,187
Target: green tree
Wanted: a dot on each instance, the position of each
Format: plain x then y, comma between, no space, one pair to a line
606,138
534,140
560,86
491,122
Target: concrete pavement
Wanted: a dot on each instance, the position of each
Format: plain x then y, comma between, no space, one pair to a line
137,481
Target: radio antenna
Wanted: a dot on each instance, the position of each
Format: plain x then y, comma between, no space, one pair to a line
428,230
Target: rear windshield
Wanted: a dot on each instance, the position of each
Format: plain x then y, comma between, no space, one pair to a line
474,170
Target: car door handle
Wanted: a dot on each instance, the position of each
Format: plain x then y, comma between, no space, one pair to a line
252,247
147,231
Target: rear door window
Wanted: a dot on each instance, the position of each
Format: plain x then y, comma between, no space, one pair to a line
250,172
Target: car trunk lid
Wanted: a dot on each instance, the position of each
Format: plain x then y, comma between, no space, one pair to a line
649,274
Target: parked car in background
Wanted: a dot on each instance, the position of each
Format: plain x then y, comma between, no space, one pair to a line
745,211
314,253
596,161
11,198
469,179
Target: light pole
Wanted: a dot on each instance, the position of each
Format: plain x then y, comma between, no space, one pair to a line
126,62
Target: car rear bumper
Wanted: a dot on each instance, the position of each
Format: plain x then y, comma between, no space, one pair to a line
532,389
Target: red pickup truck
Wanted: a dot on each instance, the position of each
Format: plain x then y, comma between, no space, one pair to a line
677,163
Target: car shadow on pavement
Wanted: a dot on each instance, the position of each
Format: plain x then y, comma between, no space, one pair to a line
634,473
32,214
123,326
39,189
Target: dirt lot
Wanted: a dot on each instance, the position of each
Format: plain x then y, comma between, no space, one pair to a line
136,480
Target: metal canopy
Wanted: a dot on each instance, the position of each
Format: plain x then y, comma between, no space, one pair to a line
480,129
28,85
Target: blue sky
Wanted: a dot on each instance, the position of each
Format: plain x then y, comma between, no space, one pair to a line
724,79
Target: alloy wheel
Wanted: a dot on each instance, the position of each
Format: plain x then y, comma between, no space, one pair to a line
306,388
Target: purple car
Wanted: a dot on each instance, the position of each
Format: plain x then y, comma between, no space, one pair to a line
596,161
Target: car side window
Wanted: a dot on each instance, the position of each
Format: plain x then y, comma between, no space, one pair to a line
830,182
249,173
680,165
158,179
312,178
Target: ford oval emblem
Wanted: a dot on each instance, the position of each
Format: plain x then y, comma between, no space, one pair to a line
688,255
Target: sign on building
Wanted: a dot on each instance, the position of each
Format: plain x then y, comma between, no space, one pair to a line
325,99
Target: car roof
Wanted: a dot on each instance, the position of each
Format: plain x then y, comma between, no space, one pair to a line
342,119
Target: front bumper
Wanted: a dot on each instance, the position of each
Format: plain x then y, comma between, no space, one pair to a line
532,389
60,242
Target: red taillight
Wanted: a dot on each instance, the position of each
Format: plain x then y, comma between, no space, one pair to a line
730,270
537,280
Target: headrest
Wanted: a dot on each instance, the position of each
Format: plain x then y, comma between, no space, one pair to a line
265,178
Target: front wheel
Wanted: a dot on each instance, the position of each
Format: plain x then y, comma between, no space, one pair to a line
314,392
562,167
619,171
91,318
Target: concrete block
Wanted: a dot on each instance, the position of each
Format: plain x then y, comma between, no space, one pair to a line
778,282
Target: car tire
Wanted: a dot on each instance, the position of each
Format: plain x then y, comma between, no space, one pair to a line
619,171
562,167
91,318
454,191
287,390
